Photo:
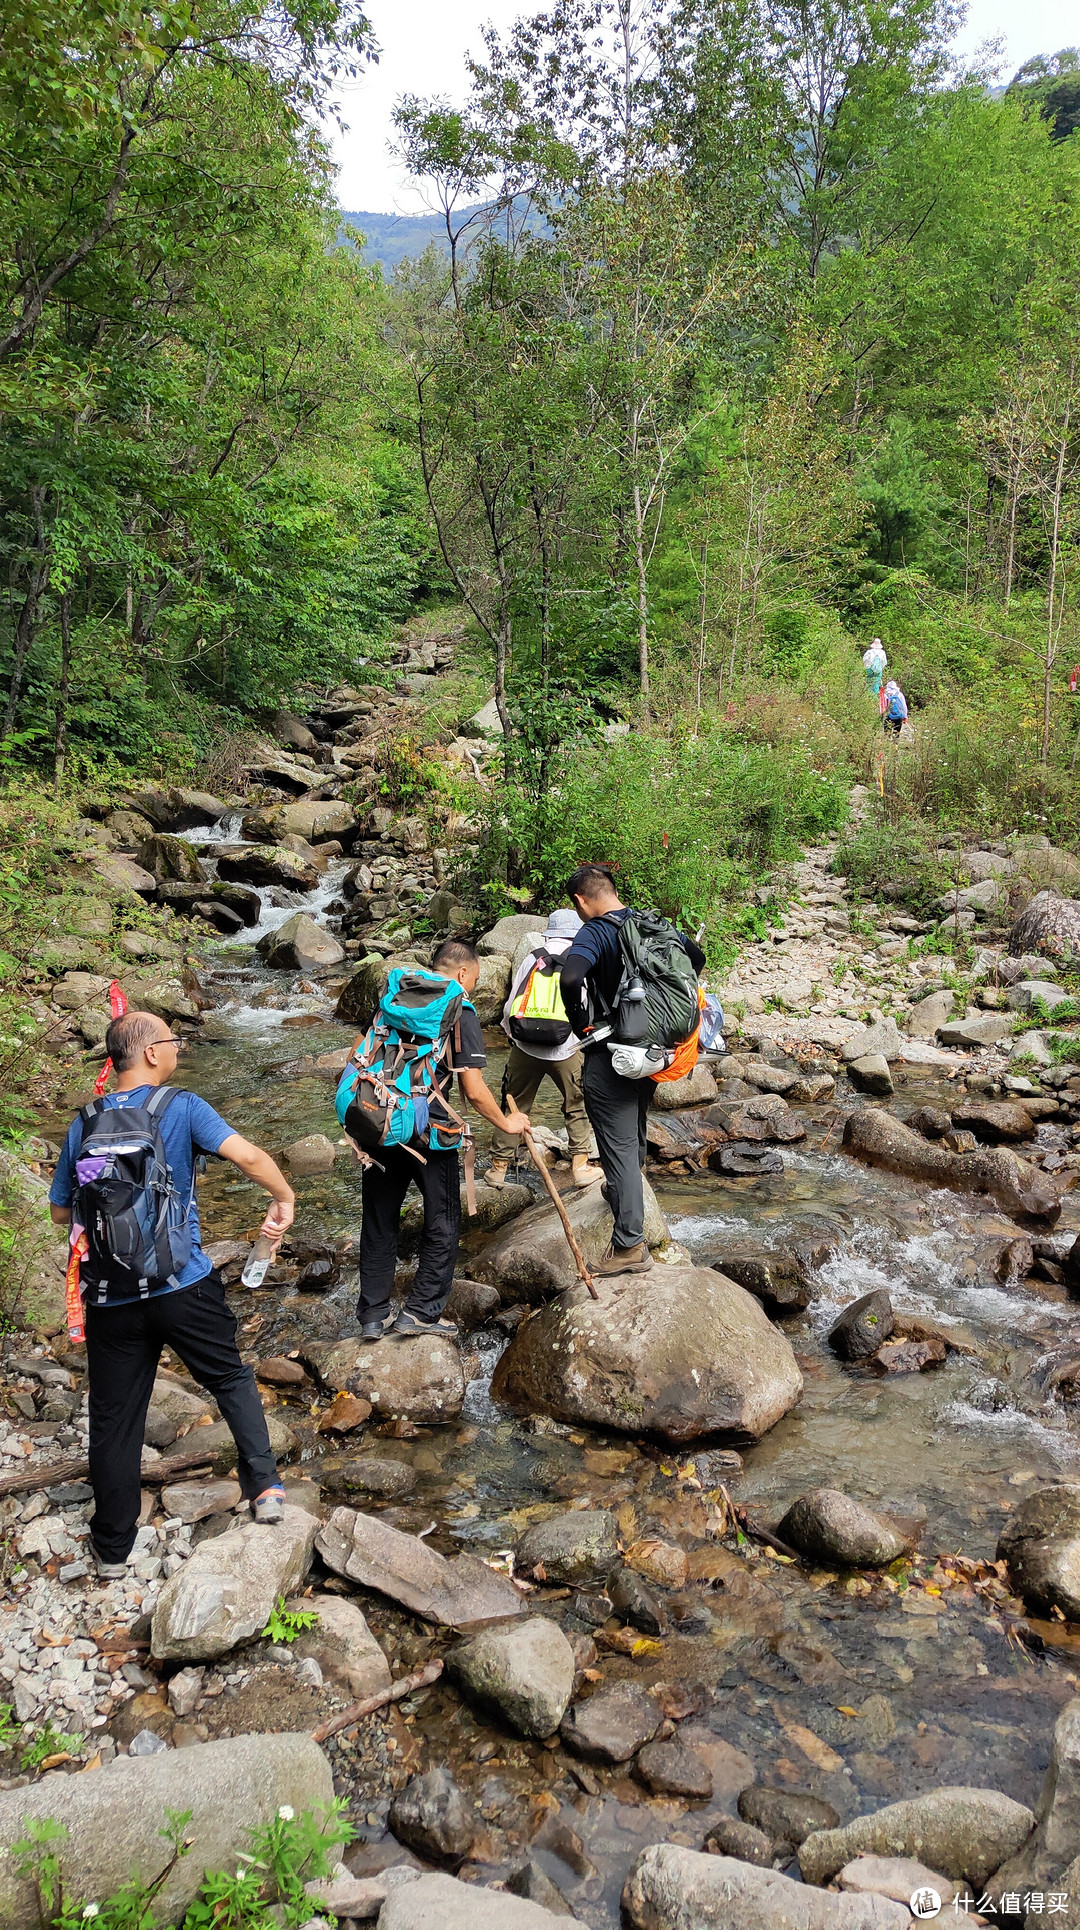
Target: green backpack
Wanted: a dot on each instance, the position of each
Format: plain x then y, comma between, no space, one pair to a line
657,1001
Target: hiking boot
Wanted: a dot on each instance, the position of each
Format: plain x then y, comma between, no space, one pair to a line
376,1329
269,1506
408,1325
108,1571
496,1174
631,1259
584,1172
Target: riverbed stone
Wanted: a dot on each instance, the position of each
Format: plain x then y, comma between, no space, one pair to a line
300,945
893,1876
612,1725
632,1600
671,1888
698,1357
731,1837
268,864
343,1645
778,1280
317,823
785,1815
114,1817
315,1153
505,936
434,1818
452,1592
578,1546
928,1014
883,1038
829,1526
668,1768
965,1833
492,988
359,997
169,857
994,1122
871,1074
1050,924
1041,1544
862,1327
77,990
873,1134
698,1088
529,1259
194,1500
224,1592
373,1474
442,1903
525,1671
121,877
970,1032
421,1381
1036,991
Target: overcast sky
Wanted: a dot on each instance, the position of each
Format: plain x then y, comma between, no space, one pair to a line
424,43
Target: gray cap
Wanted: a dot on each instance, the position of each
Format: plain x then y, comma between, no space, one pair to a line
563,924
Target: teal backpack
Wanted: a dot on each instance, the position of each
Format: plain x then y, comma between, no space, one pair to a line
384,1094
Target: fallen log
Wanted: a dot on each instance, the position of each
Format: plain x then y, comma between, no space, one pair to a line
419,1679
57,1471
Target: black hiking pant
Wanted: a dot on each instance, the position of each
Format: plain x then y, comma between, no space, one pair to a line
618,1111
123,1346
383,1196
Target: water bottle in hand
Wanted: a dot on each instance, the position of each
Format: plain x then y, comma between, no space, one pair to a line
258,1262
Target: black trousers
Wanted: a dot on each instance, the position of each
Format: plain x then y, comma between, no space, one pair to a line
123,1347
618,1109
383,1194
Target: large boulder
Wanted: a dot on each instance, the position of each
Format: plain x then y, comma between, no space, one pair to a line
883,1038
964,1833
503,938
1055,1845
989,1030
994,1122
360,996
1041,1544
114,1818
1049,924
579,1546
529,1259
314,821
300,945
423,1382
671,1888
829,1526
442,1903
871,1074
492,988
268,864
119,877
454,1592
928,1014
778,1280
177,809
766,1119
525,1671
689,1354
876,1136
171,858
246,903
224,1592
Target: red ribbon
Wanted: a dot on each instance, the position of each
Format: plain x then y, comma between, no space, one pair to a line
118,1005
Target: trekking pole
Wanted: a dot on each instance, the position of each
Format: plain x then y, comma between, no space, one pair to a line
579,1257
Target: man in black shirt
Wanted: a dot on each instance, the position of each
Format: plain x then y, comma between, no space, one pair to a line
439,1181
617,1107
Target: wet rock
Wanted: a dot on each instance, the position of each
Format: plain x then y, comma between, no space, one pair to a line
776,1279
633,1601
700,1357
225,1591
530,1259
1041,1544
318,1268
828,1526
660,1561
315,1153
928,1014
669,1768
931,1121
524,1671
786,1816
579,1546
238,898
374,1474
421,1380
1049,924
741,1160
765,1120
433,1817
113,1818
741,1840
994,1122
677,1889
910,1356
280,1372
612,1725
986,1031
345,1413
965,1833
697,1089
178,809
344,1647
863,1326
873,1134
170,858
881,1039
442,1903
531,1881
316,823
268,864
893,1876
368,1550
871,1074
194,1500
472,1303
300,945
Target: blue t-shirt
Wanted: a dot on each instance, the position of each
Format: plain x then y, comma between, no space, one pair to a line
188,1127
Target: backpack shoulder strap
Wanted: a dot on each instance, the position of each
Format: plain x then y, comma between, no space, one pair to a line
159,1099
91,1112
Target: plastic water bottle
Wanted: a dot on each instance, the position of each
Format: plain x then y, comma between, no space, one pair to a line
258,1262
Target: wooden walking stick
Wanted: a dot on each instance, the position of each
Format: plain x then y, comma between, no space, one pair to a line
579,1257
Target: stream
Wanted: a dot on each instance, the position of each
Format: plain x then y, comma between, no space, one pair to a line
853,1690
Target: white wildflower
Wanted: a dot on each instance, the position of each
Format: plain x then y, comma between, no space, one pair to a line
286,1813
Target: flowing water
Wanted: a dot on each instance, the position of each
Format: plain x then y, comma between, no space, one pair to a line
860,1694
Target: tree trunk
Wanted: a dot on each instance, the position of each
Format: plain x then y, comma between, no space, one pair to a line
642,599
27,623
1052,618
63,693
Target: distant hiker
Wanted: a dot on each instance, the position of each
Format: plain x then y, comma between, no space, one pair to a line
615,1004
126,1177
893,709
544,1045
875,663
394,1103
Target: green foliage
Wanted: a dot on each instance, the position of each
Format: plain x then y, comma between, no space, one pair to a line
10,1728
48,1741
898,862
284,1624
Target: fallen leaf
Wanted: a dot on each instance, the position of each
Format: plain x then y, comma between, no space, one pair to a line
844,1710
